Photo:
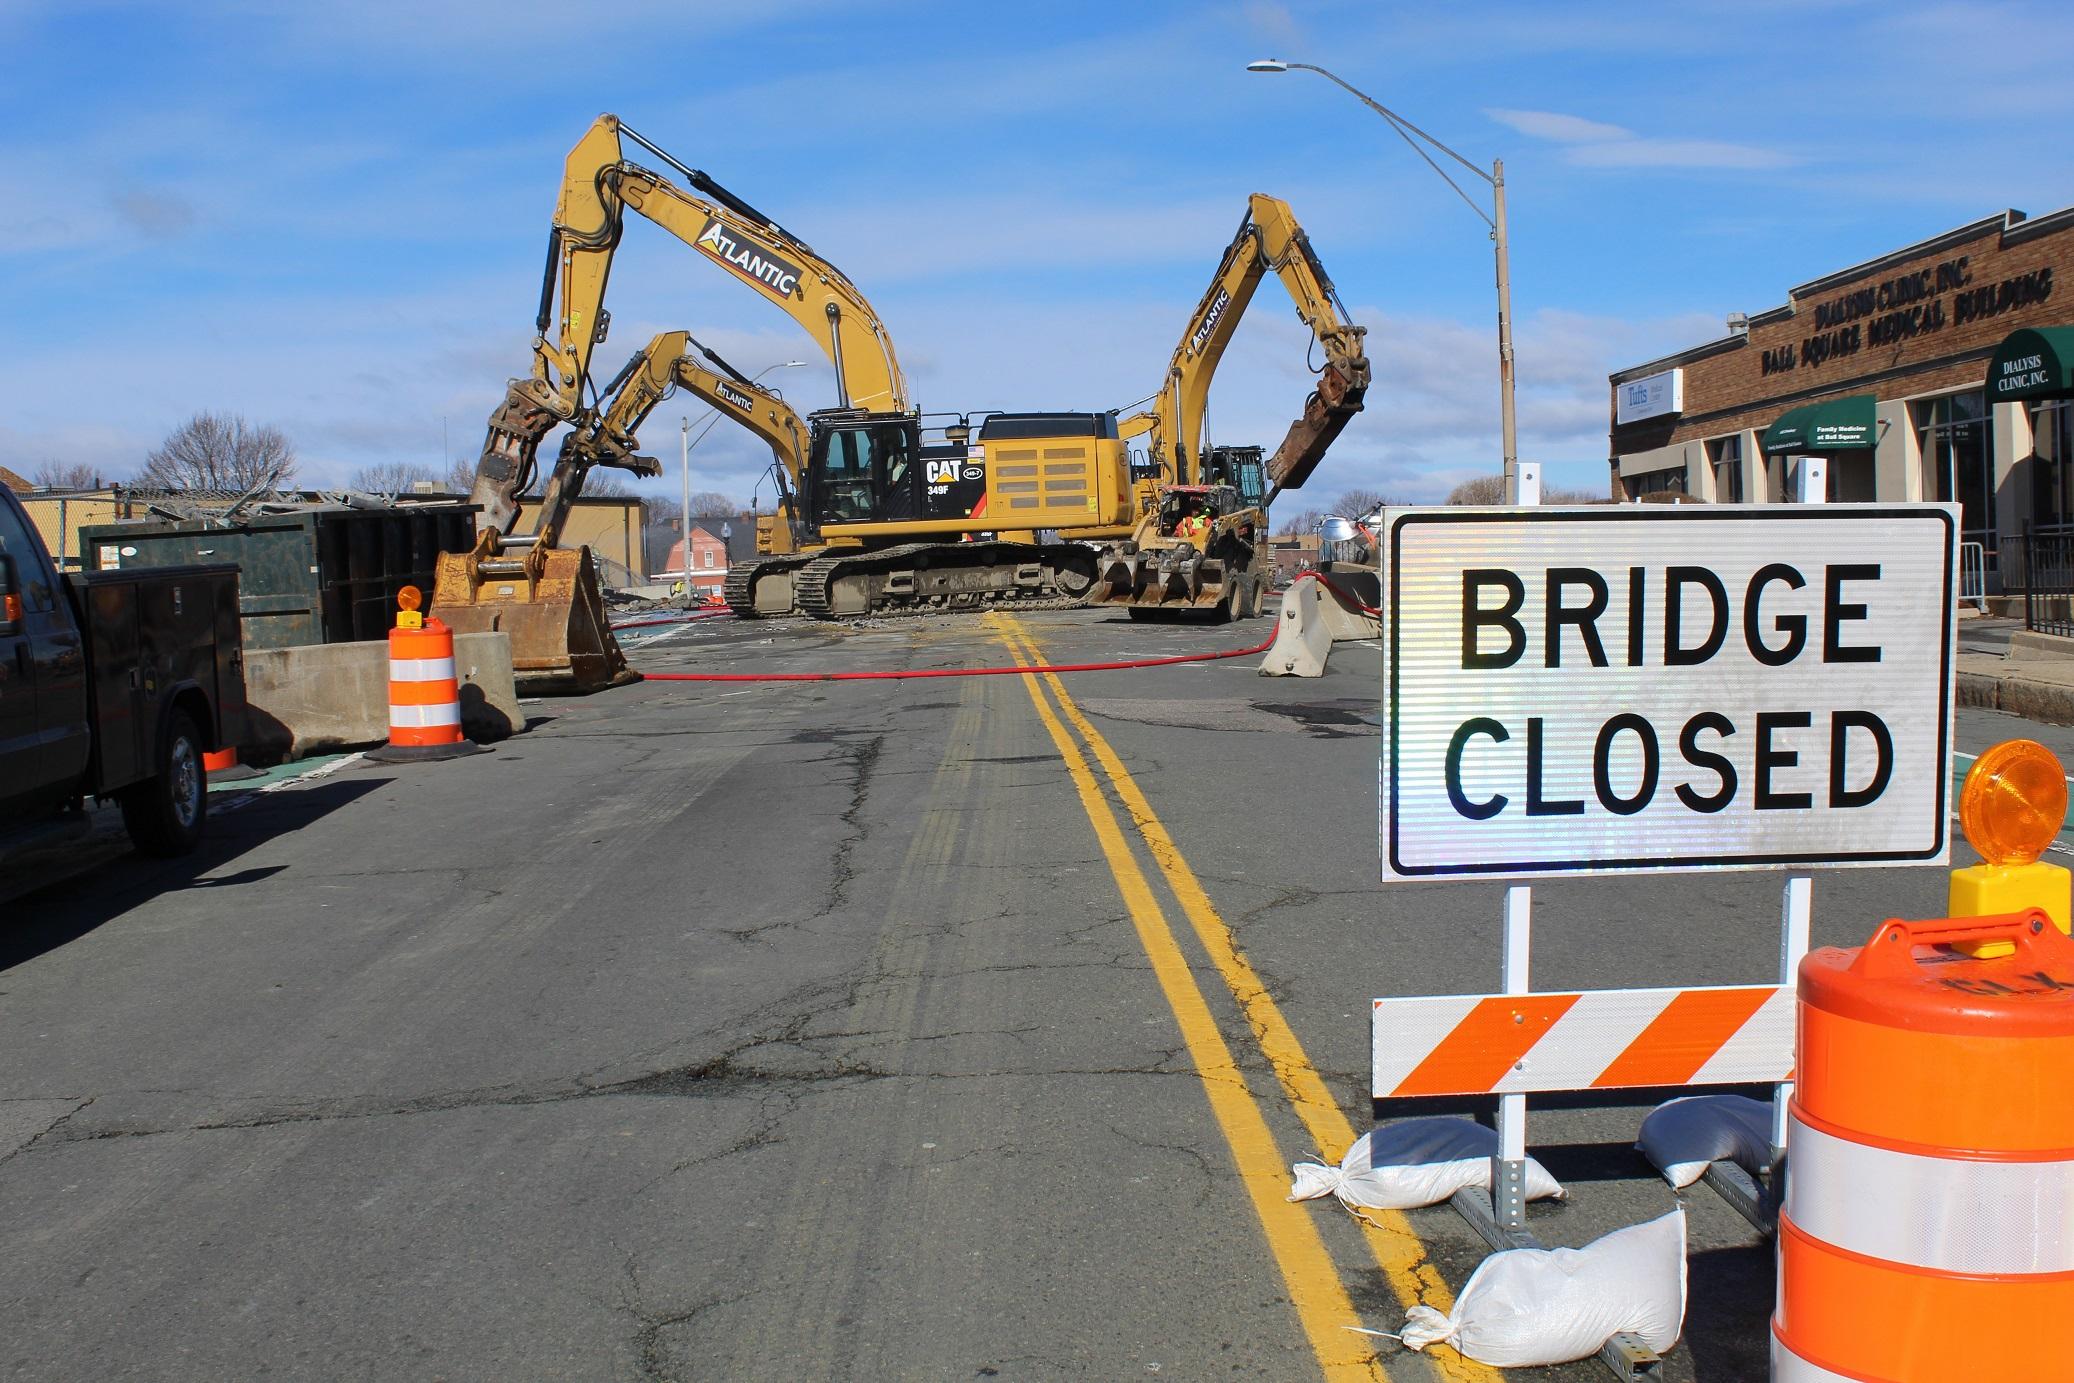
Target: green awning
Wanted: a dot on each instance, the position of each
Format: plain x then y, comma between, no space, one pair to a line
1836,425
2035,363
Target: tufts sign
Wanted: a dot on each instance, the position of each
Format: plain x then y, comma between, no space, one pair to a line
1651,396
1627,689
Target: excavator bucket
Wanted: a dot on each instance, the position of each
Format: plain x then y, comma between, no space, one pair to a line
560,637
1326,413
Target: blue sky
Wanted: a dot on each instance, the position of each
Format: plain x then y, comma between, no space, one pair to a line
331,218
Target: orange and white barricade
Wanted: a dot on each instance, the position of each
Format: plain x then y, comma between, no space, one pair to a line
1927,1234
424,696
1610,1039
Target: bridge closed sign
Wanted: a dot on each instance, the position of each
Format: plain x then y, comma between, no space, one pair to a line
1647,687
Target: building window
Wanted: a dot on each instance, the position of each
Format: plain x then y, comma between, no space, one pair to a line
1656,483
1727,455
2052,469
709,556
1956,450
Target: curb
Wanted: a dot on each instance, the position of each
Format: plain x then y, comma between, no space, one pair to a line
2042,701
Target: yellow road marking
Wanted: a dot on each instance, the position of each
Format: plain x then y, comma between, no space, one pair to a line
1315,1289
1394,1243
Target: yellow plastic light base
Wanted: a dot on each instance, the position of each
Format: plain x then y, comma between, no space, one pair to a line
1989,890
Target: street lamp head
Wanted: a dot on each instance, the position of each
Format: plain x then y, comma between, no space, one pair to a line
1267,65
794,364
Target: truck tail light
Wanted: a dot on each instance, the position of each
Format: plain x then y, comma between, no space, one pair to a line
11,609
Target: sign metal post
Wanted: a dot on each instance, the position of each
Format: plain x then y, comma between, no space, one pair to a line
1796,902
1509,1168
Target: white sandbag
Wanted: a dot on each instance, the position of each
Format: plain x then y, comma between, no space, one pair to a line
1417,1162
1525,1307
1682,1136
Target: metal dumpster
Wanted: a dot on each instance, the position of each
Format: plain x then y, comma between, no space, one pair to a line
312,576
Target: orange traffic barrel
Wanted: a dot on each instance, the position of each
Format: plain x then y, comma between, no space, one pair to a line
1927,1233
424,697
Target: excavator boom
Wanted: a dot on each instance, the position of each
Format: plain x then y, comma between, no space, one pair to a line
1269,238
1203,546
599,185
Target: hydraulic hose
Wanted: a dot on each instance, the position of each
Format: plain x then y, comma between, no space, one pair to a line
1346,597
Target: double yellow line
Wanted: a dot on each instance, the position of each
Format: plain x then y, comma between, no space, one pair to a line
1315,1287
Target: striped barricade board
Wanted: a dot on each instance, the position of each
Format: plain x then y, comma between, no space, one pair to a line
1604,1039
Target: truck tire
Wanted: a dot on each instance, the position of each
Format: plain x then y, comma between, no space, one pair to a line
165,813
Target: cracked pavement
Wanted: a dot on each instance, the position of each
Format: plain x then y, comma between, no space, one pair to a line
788,1032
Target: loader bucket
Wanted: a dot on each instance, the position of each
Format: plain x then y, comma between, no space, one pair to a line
1117,582
560,637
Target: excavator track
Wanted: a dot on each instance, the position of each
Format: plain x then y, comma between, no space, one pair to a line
740,588
951,577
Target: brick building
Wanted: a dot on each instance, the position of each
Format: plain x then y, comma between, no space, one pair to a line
1941,371
708,568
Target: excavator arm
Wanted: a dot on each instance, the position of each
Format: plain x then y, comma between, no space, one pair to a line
599,185
666,363
1269,238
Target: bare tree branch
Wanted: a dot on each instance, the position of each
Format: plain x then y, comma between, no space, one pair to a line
54,475
391,477
214,451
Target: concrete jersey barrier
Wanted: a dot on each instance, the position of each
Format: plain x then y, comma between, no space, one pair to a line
313,698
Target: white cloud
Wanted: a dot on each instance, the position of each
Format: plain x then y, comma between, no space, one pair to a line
1548,124
1595,144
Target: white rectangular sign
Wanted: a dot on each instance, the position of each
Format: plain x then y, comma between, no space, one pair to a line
1651,396
1641,687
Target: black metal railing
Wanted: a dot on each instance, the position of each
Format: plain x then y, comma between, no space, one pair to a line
2046,568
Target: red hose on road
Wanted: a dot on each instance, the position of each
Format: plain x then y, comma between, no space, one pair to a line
950,671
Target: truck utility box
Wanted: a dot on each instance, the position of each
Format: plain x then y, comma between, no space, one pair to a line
313,576
147,631
113,686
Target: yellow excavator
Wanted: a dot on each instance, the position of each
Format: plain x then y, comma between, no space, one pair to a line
910,519
1202,544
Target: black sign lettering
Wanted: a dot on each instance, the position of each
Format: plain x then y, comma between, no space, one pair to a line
1841,723
1475,619
1770,757
1474,811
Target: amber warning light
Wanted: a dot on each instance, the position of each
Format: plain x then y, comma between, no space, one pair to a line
2011,807
2013,802
407,602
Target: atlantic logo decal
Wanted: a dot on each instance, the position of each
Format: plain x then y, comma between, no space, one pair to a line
737,397
1210,321
751,261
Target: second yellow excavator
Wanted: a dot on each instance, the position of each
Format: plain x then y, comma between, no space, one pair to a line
1203,543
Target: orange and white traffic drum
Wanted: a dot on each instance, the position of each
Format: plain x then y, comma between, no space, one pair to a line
424,696
1927,1232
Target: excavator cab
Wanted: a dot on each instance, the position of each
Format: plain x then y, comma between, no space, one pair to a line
1244,469
862,468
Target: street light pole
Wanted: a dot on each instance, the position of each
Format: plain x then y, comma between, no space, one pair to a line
712,417
1508,425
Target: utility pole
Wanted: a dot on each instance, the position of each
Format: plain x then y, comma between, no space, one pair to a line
1508,423
1412,134
684,518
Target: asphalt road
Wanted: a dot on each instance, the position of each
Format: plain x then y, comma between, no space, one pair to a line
806,1030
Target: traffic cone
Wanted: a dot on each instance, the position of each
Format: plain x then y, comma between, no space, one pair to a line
424,696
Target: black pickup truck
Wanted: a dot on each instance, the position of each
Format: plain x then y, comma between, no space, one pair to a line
112,686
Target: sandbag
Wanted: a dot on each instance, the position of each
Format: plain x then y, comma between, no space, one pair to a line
1682,1136
1526,1307
1413,1163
